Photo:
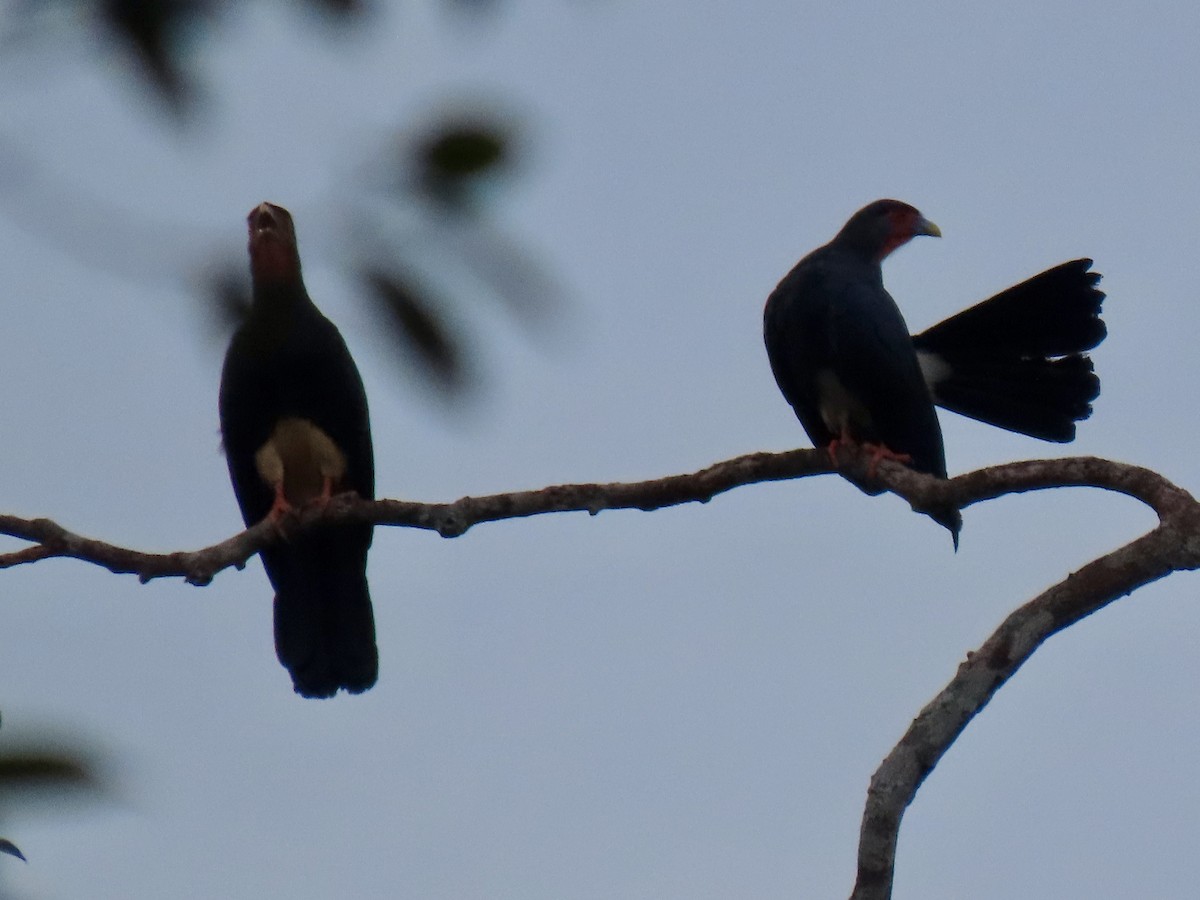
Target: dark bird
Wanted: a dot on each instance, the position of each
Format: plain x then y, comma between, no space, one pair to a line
295,429
843,357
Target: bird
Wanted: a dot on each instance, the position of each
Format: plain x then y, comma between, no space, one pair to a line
296,429
844,359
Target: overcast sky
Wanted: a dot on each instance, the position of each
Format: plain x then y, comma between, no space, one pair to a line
680,704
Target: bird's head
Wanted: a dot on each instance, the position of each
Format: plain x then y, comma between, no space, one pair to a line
880,227
273,252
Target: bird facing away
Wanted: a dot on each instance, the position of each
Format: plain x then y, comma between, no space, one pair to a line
295,429
843,357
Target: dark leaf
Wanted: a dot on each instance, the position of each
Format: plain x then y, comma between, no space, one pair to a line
464,150
454,159
419,328
229,294
40,769
342,7
473,7
154,30
7,846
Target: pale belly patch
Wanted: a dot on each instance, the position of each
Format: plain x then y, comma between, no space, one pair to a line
841,412
300,456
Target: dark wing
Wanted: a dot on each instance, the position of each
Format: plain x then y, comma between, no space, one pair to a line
874,358
325,387
822,317
247,410
795,325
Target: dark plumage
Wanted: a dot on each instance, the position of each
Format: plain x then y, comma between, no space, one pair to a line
295,428
843,358
1017,360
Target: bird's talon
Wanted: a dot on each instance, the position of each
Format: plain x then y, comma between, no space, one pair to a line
881,452
281,507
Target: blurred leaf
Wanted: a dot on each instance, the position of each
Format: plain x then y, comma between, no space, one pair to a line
420,328
444,258
157,31
45,774
512,274
452,160
154,31
473,6
42,768
342,8
228,292
463,151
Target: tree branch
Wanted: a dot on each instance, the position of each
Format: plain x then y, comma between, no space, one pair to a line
1172,546
50,539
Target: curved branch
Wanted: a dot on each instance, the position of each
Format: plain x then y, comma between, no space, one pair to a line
923,492
1172,546
1146,485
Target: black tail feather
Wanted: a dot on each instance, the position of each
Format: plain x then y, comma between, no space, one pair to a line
324,625
1018,360
1042,398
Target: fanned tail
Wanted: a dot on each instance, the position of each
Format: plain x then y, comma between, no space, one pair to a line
1018,359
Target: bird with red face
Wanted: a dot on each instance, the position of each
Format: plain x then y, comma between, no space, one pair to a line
844,359
295,429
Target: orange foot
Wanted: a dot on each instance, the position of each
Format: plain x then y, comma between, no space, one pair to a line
882,451
281,507
322,499
842,440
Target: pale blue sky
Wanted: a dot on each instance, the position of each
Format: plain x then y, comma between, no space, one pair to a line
680,704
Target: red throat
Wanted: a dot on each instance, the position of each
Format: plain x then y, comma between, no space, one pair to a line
273,254
271,259
895,239
904,224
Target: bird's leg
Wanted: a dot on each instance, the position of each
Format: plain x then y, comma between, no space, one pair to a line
882,451
843,439
326,491
281,506
321,500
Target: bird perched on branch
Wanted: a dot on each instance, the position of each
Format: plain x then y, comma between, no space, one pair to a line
295,429
843,357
